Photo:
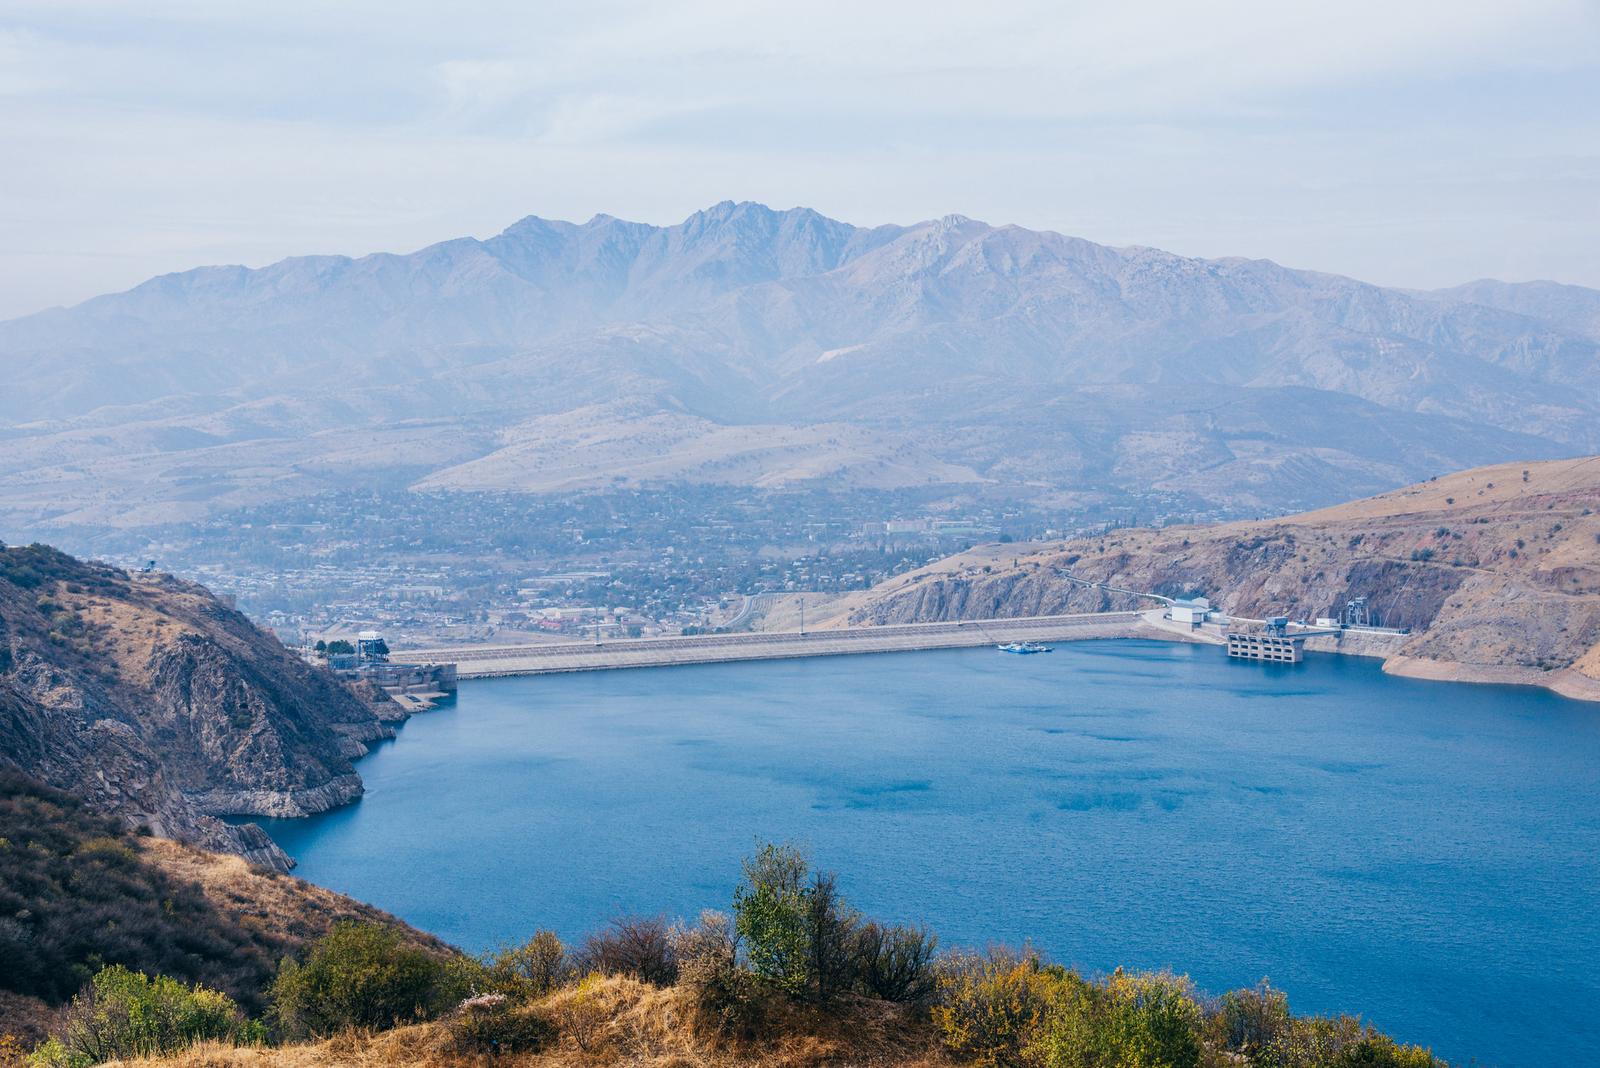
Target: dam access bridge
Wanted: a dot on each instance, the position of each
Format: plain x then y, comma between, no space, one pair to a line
488,661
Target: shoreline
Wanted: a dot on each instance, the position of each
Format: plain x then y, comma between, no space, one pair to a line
513,661
1567,682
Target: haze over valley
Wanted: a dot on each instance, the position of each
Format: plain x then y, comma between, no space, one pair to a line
757,348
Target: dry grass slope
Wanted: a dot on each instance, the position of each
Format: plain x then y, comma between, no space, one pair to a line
616,1020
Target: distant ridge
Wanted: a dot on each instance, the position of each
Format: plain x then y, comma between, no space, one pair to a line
1021,358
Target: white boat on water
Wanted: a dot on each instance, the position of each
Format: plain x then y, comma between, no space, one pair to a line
1022,648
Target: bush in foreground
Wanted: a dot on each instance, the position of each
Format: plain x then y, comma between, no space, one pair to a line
363,976
895,963
1003,1009
531,970
637,947
124,1014
493,1024
989,1005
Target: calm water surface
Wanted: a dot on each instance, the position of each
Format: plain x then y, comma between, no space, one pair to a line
1424,854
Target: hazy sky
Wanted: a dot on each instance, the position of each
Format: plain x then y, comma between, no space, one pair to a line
1407,143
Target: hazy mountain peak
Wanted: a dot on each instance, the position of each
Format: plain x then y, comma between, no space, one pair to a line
534,226
1004,351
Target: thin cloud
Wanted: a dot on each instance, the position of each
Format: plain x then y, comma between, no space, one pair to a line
1388,140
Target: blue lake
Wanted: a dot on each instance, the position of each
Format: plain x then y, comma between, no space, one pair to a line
1424,854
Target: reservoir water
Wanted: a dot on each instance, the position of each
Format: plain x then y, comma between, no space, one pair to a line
1424,854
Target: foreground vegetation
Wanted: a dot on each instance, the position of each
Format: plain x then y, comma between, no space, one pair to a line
76,894
790,975
79,893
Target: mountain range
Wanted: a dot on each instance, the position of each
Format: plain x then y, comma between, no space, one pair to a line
765,348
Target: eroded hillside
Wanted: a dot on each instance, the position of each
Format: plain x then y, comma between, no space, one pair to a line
1495,570
156,703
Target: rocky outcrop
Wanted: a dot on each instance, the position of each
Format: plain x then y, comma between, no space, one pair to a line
1495,571
153,701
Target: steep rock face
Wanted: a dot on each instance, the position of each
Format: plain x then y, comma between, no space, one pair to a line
1496,568
158,704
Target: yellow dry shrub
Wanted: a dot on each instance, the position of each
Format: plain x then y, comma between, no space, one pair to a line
989,1006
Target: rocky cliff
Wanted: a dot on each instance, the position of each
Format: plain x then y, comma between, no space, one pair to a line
1496,571
153,701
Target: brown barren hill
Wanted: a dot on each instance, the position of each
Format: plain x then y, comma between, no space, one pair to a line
1495,571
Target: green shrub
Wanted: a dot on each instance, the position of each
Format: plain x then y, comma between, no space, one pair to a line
1381,1051
799,934
769,911
123,1014
1252,1023
1141,1021
362,975
1271,1037
53,1053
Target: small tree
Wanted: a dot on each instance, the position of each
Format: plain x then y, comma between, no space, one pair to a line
770,914
830,932
340,647
799,933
